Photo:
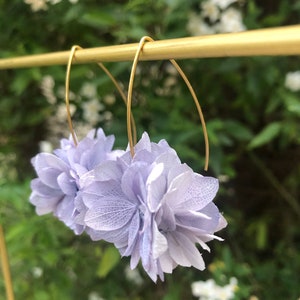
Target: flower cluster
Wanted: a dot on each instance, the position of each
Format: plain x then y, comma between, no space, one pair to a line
216,16
58,184
151,206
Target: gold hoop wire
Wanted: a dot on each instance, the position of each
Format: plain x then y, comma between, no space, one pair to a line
67,89
129,99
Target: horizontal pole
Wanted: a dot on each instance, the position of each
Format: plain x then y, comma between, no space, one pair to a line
260,42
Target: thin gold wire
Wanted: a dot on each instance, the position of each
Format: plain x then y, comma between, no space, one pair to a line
67,89
122,96
129,100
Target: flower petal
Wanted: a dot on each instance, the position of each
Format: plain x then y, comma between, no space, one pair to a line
109,213
160,244
67,184
201,192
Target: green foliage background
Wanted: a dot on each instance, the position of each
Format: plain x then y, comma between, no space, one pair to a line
253,125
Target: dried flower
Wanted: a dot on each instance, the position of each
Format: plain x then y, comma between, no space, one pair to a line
152,207
57,184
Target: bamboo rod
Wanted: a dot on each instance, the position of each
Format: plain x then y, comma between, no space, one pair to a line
5,267
270,42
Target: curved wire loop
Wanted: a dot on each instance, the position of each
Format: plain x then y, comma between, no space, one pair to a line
129,100
67,89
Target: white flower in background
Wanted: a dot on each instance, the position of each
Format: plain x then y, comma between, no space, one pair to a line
94,296
61,112
292,81
45,146
210,11
37,5
109,99
209,290
231,21
196,26
88,90
91,111
222,4
216,17
171,70
37,272
133,275
53,2
47,86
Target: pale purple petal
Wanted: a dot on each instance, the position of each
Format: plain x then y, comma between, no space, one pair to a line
109,213
67,184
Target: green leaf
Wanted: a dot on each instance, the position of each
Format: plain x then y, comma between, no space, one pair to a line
266,135
98,19
109,260
237,130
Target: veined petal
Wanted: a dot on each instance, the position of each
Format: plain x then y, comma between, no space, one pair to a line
201,192
109,213
177,170
198,223
133,232
169,160
180,184
108,170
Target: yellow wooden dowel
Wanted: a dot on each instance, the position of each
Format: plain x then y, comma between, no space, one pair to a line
273,41
5,267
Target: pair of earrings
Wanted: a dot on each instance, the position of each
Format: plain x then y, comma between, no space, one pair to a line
143,199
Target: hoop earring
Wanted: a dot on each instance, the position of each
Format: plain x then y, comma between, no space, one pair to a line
67,89
182,74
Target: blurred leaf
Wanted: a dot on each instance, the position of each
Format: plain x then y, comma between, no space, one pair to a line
266,135
237,130
109,260
98,19
292,103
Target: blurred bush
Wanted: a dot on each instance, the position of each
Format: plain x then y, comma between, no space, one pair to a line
252,119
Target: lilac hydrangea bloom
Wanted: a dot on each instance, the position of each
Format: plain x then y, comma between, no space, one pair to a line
57,184
152,207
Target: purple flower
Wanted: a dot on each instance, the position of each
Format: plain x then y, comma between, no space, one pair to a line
152,207
58,174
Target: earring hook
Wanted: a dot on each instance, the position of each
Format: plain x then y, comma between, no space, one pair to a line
67,99
67,90
182,74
